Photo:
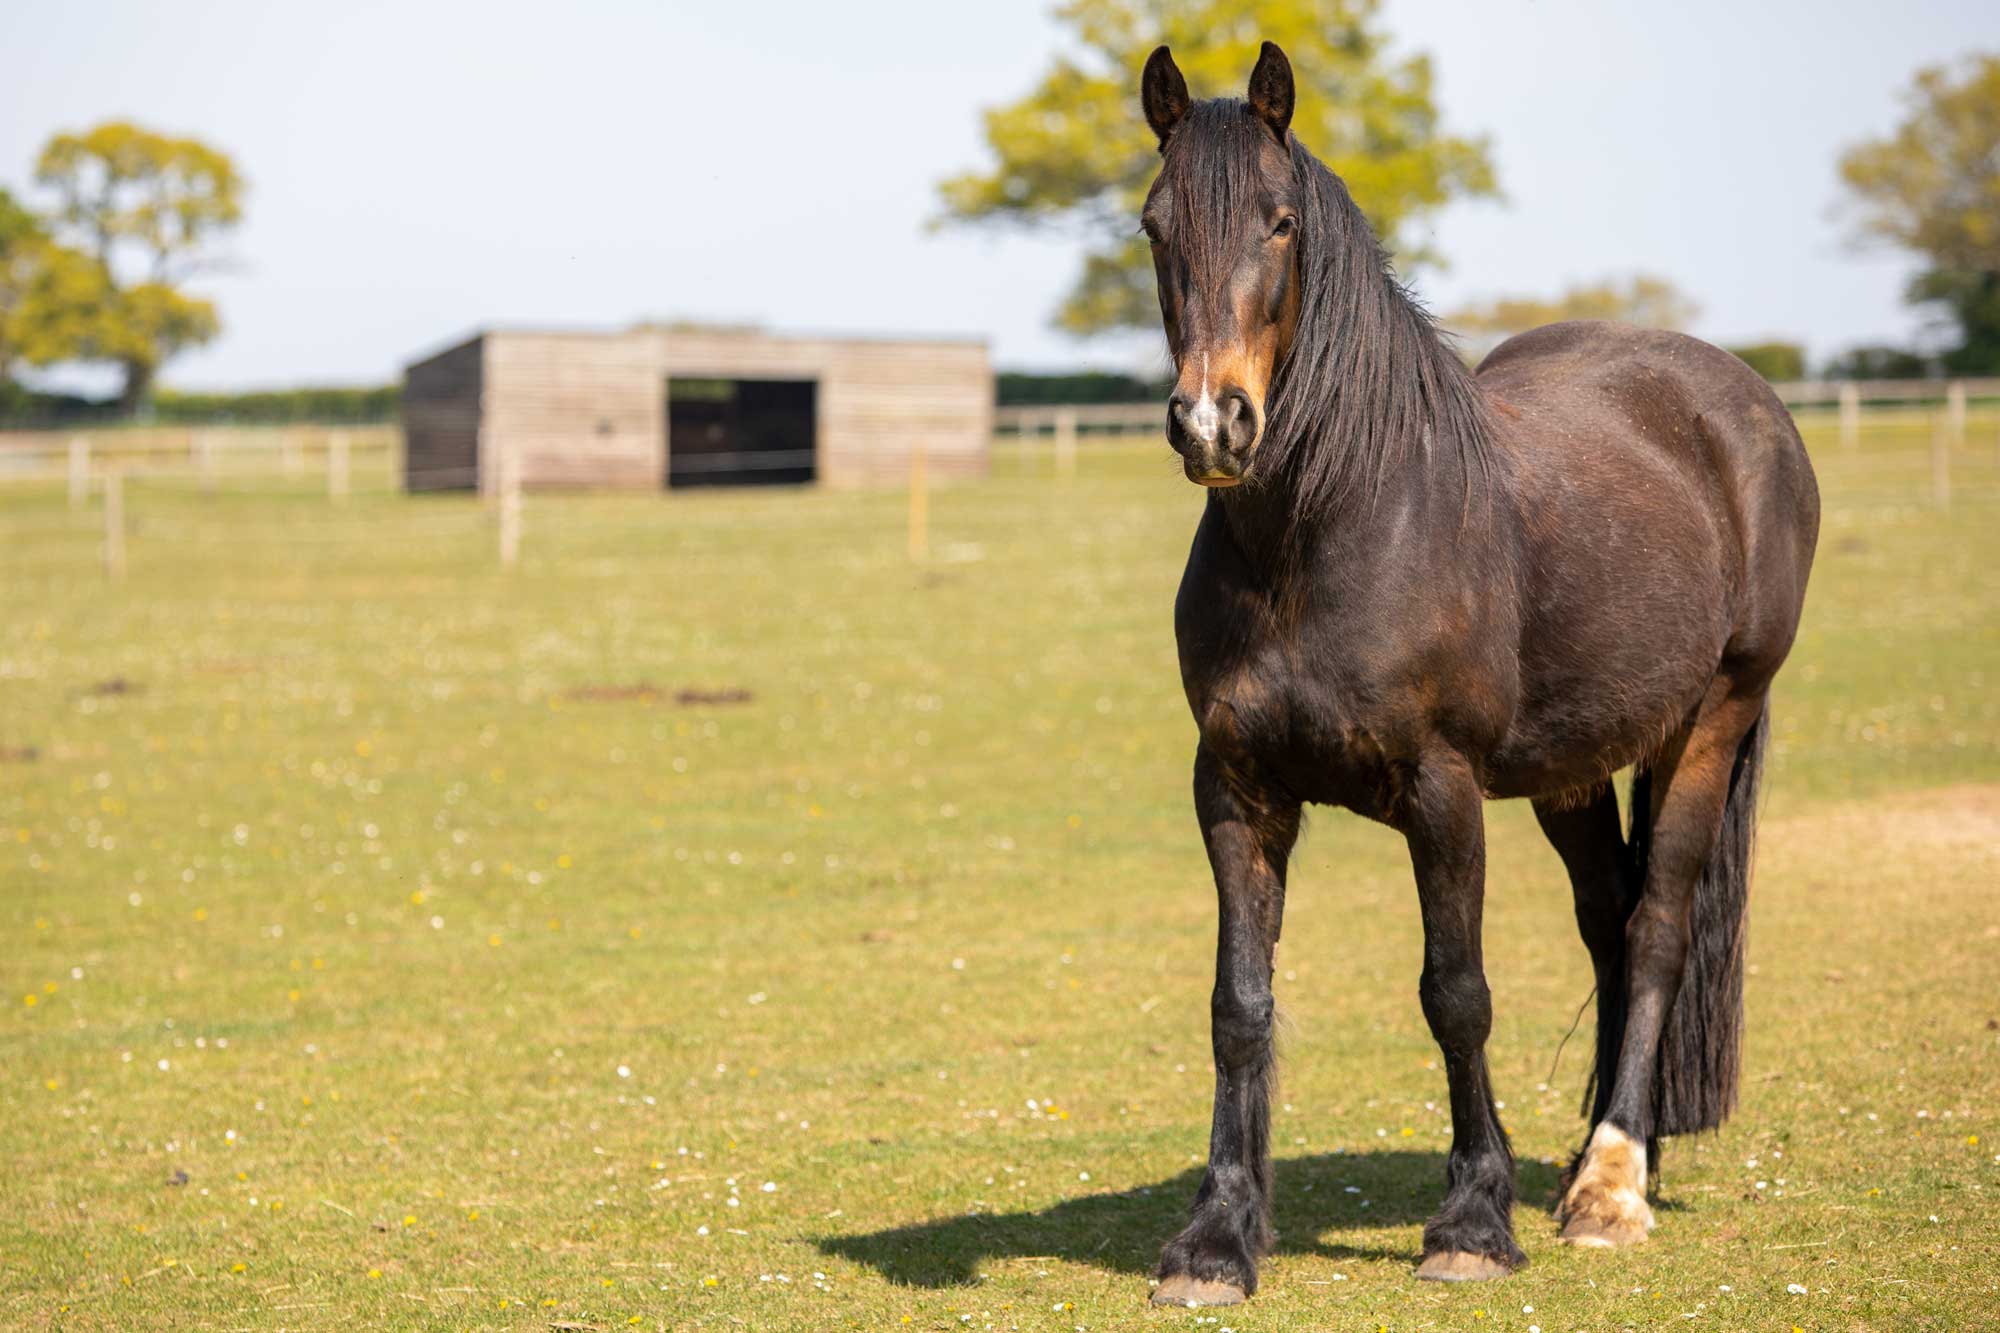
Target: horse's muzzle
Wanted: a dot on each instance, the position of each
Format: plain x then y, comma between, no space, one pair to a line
1213,437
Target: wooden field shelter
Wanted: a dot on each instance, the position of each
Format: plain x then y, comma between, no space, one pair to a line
676,407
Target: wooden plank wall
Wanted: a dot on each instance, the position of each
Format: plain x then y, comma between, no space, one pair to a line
441,403
582,409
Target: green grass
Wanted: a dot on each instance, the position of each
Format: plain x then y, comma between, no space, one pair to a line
380,978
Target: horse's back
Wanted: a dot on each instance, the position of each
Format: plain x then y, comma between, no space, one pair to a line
1667,515
1691,399
1652,405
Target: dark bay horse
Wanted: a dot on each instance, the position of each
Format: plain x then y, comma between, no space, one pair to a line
1415,588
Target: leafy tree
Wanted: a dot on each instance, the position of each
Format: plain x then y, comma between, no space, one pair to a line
1641,299
1776,362
49,294
21,243
1933,187
1075,153
146,209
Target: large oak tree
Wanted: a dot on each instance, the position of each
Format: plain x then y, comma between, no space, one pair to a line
146,209
1075,153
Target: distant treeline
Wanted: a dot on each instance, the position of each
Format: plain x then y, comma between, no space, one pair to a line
1019,389
370,404
334,406
339,406
1782,362
380,403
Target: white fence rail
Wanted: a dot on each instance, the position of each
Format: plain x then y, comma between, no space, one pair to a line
1849,396
207,452
96,469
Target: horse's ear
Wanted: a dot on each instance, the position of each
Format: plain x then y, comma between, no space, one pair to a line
1271,91
1164,93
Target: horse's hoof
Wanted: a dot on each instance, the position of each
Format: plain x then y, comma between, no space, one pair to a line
1605,1205
1459,1266
1187,1292
1592,1231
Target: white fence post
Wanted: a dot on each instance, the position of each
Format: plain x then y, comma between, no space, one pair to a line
920,503
1066,443
510,510
79,471
1850,416
1941,463
114,523
204,454
337,481
1954,397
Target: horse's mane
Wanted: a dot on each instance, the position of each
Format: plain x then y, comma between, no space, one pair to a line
1370,387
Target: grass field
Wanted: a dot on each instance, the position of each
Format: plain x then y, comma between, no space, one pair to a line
392,942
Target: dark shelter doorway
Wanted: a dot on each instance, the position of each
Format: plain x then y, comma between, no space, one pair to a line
740,432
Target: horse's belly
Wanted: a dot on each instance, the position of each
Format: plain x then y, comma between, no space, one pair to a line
1578,746
1605,683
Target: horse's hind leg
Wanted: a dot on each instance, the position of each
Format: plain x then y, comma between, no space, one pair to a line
1591,841
1693,834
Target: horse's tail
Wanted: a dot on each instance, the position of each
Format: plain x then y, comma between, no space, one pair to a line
1701,1044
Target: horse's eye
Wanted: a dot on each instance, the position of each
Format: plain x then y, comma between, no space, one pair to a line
1152,232
1286,226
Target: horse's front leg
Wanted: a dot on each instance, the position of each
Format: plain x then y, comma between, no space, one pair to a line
1249,829
1472,1235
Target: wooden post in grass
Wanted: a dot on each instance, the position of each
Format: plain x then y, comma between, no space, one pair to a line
79,471
510,509
1954,399
920,503
1850,416
114,523
1941,462
336,466
1066,443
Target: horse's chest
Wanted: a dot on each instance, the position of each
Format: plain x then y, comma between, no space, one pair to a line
1245,715
1260,715
1301,703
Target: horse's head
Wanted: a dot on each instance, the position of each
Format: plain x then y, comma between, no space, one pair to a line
1223,219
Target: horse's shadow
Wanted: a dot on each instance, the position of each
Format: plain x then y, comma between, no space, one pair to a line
1123,1232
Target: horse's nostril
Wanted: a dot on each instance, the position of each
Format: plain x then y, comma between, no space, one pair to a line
1177,424
1239,420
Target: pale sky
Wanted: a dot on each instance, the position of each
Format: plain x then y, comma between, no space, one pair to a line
418,170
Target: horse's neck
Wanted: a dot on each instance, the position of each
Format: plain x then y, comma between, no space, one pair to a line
1257,520
1430,506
